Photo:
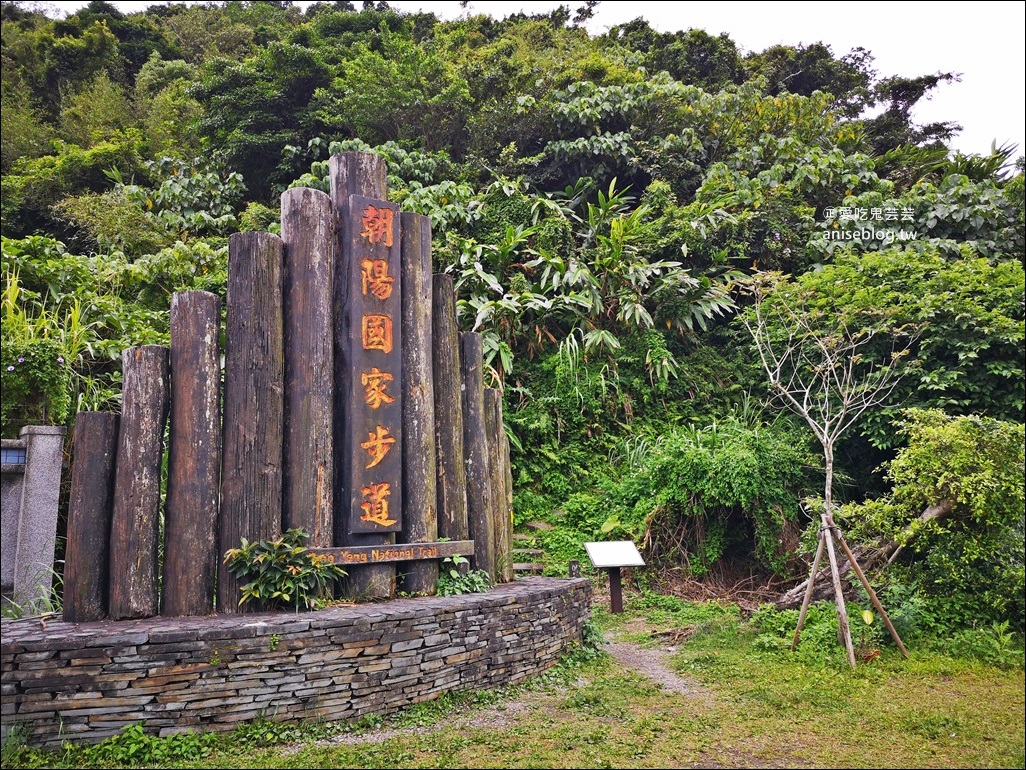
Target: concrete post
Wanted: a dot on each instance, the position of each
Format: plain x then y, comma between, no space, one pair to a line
36,518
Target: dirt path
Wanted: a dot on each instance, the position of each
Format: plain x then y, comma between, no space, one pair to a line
652,660
652,663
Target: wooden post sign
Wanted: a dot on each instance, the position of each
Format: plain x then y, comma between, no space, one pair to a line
610,556
373,438
330,367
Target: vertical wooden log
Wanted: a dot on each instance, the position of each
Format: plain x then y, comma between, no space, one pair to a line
475,448
495,495
352,173
194,456
356,173
135,516
308,233
94,450
420,514
253,401
501,483
507,486
452,471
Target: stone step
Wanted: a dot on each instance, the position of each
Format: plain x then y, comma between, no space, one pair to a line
538,526
534,567
528,551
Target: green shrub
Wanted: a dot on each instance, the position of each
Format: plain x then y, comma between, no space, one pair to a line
967,568
282,571
35,380
701,494
452,580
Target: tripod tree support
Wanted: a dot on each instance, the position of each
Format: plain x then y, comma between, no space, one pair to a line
827,534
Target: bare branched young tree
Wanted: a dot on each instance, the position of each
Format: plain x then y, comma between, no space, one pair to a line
824,366
829,367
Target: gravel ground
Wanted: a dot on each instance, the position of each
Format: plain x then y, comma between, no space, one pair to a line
651,663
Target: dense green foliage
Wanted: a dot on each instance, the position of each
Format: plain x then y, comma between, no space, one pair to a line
965,569
594,198
695,496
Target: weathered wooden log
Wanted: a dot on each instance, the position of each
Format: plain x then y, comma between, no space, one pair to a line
351,174
507,486
135,515
452,471
475,448
251,476
502,490
420,514
495,493
194,456
308,233
86,555
356,173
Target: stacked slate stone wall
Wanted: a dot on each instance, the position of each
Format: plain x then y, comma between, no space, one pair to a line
87,681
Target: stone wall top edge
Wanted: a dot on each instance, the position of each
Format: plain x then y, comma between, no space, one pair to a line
46,633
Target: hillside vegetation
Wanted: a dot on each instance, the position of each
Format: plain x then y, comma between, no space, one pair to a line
606,205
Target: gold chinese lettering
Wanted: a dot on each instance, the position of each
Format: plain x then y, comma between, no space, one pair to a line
377,333
375,384
376,279
377,225
375,509
377,445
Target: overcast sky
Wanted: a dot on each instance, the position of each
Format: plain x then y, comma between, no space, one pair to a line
985,42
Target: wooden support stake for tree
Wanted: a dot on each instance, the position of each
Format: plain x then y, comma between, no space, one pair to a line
831,530
420,514
808,593
452,471
135,516
842,612
194,456
475,448
94,451
353,173
308,237
251,476
869,590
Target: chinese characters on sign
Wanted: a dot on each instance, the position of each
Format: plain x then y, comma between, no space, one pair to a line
377,333
377,225
375,383
377,445
374,467
375,507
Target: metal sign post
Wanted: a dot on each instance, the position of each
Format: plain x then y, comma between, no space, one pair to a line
611,556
